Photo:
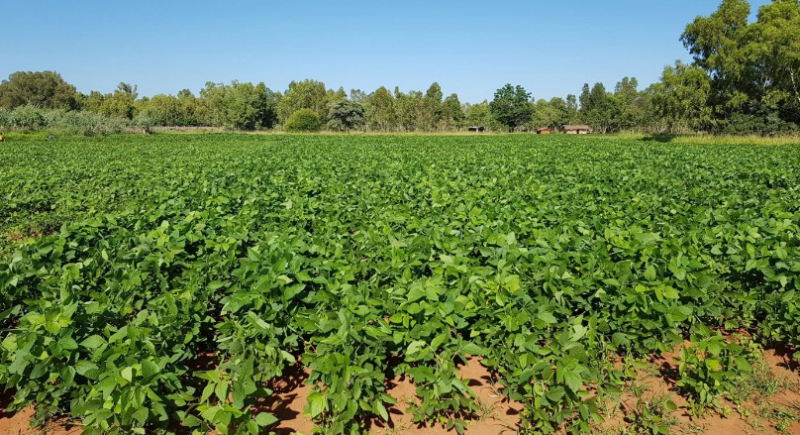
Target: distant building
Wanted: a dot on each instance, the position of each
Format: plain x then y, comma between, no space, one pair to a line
544,130
477,129
577,129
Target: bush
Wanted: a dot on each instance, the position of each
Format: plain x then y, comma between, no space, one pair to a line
28,117
346,115
74,122
304,120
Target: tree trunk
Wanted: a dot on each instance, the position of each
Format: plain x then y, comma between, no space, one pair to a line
794,85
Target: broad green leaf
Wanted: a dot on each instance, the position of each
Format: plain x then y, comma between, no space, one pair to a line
473,349
94,342
316,404
381,410
264,419
548,318
650,273
127,374
573,380
192,421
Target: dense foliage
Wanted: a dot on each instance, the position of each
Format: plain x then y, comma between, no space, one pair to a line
304,120
745,79
345,115
367,258
29,118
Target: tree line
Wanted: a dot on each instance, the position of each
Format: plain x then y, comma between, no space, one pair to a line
744,79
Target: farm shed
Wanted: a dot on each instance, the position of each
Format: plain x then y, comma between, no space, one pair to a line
577,129
478,129
544,130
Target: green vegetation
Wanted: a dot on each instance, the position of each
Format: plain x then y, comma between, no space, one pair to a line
84,123
304,120
345,115
511,106
744,80
365,258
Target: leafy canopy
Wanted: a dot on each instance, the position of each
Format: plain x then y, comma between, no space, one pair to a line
511,106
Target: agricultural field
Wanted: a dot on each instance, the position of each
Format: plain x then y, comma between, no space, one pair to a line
192,283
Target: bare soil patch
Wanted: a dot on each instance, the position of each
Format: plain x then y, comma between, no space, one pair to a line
498,414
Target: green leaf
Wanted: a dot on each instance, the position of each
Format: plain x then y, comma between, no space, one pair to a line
573,380
547,317
619,339
207,392
743,365
381,410
415,347
265,419
67,343
473,349
316,404
10,343
85,368
650,273
671,293
555,394
127,374
149,368
94,342
141,414
578,332
221,391
713,364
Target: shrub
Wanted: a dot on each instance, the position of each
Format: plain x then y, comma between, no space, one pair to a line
304,120
74,122
346,115
28,117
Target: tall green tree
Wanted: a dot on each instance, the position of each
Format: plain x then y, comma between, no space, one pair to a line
452,112
160,110
716,42
562,113
245,106
307,94
775,54
346,115
548,114
93,102
122,103
430,110
271,118
585,103
681,98
599,109
211,108
384,117
407,106
188,107
632,107
42,89
572,110
358,95
511,106
478,115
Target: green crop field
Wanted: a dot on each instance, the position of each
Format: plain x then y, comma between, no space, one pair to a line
366,258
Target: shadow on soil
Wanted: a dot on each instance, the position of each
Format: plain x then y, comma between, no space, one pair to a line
786,354
294,377
6,397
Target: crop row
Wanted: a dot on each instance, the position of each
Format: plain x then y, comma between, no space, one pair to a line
363,259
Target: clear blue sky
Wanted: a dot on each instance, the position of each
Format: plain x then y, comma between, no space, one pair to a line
471,48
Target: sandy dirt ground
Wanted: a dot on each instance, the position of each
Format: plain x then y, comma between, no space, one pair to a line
499,415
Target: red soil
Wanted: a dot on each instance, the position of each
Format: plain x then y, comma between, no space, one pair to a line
502,415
